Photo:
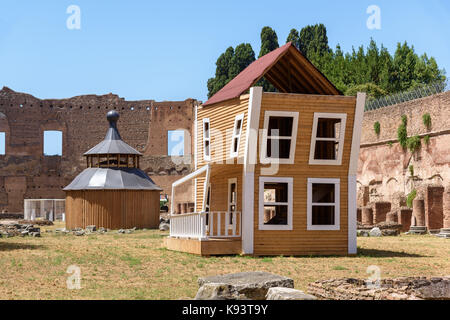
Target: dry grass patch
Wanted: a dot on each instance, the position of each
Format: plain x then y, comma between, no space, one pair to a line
136,266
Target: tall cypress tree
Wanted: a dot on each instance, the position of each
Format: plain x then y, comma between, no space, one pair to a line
222,70
269,42
243,56
230,64
294,37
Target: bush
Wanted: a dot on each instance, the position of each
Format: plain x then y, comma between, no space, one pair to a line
402,135
426,118
390,143
411,170
376,127
427,140
404,120
413,143
411,196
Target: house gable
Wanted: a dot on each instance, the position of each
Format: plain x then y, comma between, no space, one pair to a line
286,68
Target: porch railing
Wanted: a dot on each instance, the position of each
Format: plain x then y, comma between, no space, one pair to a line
204,225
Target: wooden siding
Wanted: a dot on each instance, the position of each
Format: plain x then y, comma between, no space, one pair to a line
219,189
205,248
221,119
112,209
300,241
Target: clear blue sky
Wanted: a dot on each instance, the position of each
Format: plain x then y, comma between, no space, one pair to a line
166,50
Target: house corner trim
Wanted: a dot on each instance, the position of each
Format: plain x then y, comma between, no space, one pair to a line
248,175
352,171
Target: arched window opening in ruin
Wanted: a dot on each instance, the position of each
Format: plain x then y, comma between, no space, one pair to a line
53,143
2,143
175,143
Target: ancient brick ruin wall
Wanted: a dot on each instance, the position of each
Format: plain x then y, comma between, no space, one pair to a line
383,170
26,173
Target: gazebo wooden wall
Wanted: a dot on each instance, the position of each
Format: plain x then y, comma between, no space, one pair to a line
112,209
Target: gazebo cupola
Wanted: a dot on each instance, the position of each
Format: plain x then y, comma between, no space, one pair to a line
112,192
112,152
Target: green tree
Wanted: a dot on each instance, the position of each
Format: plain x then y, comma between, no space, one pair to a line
230,64
222,71
269,42
372,69
243,56
294,37
314,45
373,91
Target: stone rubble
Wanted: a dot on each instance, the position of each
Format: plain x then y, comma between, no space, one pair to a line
375,232
280,293
386,229
240,286
408,288
127,231
17,229
164,224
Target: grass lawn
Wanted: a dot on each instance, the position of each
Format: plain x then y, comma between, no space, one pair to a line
136,266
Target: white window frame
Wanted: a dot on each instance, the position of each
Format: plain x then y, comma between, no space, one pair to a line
336,204
206,157
238,136
229,203
340,140
265,135
290,183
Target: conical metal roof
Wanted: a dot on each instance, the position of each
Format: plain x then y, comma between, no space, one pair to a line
112,179
113,143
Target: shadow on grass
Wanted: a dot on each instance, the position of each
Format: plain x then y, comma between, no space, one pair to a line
10,246
374,253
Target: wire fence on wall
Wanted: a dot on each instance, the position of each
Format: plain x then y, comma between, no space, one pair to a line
417,93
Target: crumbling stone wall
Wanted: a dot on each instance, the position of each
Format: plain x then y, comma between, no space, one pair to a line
383,168
26,173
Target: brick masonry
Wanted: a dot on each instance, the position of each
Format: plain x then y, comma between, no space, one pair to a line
434,209
383,168
26,173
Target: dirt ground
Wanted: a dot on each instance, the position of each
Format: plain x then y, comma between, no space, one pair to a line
137,266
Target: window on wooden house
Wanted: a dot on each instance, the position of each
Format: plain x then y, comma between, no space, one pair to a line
275,203
2,143
327,140
279,137
236,137
206,140
53,143
232,198
323,204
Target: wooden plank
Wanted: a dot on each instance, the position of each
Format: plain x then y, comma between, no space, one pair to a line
206,247
112,209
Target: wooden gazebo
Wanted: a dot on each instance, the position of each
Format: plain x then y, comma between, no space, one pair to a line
112,192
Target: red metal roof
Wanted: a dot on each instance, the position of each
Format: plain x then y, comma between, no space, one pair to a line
256,70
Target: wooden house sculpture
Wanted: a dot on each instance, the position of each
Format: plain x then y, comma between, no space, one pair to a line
112,192
275,172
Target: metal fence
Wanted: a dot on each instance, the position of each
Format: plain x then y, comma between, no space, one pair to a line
46,209
417,93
